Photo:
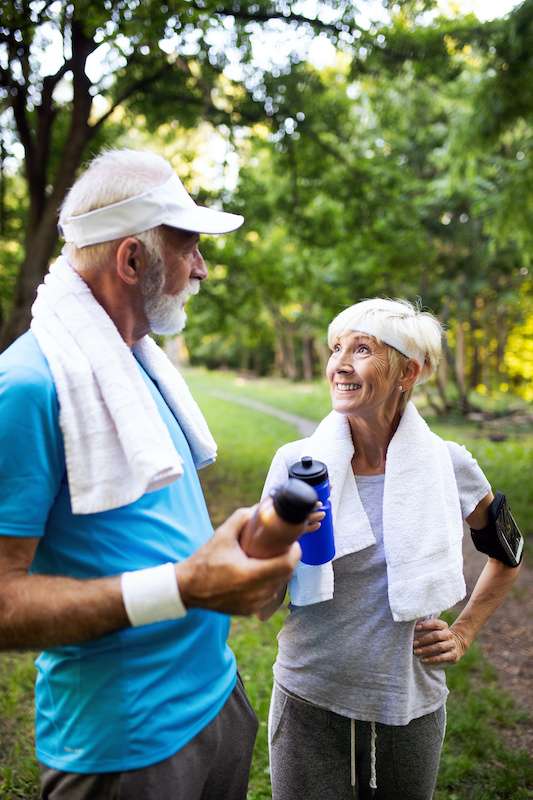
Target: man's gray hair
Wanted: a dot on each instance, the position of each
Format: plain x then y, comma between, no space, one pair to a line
112,176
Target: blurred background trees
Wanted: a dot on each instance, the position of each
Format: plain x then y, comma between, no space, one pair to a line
399,165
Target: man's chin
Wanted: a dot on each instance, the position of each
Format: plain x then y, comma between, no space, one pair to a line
169,327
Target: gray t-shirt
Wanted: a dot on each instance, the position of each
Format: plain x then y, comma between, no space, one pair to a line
347,654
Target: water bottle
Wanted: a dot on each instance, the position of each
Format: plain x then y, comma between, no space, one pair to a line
317,547
278,520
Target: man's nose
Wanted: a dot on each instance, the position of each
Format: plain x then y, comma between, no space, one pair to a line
199,270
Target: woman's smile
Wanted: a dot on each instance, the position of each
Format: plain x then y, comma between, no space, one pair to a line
347,387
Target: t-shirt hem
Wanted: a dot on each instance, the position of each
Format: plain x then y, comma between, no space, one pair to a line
363,713
122,765
475,499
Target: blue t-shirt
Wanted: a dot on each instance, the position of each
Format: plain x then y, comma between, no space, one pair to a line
137,696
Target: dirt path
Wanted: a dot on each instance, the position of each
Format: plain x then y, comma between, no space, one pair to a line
507,637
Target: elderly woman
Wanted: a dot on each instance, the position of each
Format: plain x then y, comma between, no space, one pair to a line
360,690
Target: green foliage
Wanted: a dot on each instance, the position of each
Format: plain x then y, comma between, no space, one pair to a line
119,64
372,183
519,358
402,169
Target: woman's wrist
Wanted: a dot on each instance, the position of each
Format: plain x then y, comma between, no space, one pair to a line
463,633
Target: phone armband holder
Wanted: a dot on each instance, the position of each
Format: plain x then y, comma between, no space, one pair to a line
500,538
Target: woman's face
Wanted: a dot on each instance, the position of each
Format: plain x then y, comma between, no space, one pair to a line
359,375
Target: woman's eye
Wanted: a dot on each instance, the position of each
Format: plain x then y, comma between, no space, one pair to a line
336,348
363,348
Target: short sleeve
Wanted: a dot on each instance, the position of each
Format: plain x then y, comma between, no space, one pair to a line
471,482
32,461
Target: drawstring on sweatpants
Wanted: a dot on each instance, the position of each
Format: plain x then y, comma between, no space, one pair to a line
353,777
352,756
373,784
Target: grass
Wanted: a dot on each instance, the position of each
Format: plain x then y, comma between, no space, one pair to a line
475,764
247,440
310,400
18,768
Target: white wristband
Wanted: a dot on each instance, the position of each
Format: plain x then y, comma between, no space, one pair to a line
152,595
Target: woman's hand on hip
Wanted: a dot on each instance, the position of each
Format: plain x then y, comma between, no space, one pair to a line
435,642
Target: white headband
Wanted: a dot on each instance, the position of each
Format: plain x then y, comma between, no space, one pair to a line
167,204
399,342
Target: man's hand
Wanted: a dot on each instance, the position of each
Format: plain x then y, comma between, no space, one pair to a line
221,577
436,642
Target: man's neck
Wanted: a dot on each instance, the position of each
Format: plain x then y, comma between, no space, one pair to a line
121,306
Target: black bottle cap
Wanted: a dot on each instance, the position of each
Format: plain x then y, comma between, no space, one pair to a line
294,500
310,471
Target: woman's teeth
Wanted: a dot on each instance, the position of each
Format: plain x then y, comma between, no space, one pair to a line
347,387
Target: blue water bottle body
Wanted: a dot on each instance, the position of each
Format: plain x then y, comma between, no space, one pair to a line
318,547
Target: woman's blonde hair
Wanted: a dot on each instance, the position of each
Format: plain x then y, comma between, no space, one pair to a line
396,320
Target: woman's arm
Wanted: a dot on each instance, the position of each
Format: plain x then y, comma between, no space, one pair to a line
437,643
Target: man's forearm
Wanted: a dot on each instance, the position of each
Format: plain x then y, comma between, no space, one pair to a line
40,611
491,588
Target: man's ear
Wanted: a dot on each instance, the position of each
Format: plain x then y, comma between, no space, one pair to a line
129,260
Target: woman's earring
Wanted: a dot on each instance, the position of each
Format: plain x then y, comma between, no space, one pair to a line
400,387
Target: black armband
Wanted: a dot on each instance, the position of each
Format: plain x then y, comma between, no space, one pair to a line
501,538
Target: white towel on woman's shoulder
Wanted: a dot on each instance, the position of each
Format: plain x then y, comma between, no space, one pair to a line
117,446
422,521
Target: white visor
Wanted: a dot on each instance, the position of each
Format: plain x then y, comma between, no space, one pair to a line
167,204
399,342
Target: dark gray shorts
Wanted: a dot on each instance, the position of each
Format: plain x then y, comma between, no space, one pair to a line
311,754
213,766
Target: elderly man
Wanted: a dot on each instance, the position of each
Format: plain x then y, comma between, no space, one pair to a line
107,558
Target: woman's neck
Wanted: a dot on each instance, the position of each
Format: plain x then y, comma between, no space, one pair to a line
371,437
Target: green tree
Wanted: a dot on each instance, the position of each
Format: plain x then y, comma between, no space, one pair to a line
167,60
371,182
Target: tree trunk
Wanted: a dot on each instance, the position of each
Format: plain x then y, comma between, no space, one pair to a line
501,338
288,358
39,250
476,376
320,347
441,379
308,361
459,364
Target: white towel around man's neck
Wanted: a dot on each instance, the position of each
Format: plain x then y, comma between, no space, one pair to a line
422,523
117,446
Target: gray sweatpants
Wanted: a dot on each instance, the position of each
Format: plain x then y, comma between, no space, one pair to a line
311,754
213,766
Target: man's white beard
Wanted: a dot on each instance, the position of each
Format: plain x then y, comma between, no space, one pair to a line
165,312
